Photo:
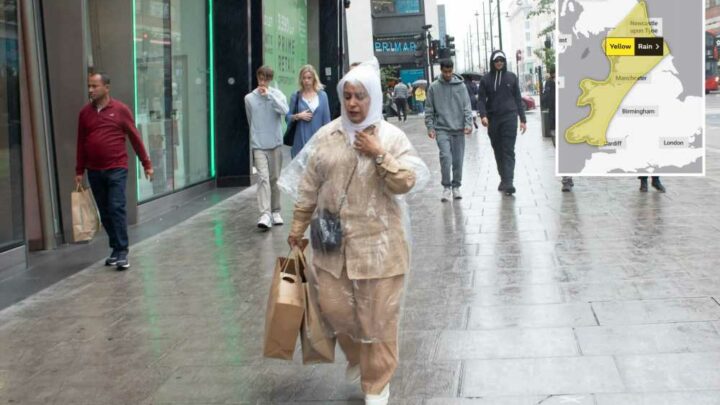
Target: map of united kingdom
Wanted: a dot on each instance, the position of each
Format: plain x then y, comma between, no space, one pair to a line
630,83
626,68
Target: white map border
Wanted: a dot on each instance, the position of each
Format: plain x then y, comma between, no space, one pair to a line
558,9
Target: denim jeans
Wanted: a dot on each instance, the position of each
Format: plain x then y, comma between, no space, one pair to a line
108,187
452,153
503,133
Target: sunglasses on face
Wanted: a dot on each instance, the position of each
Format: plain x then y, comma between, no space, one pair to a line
499,60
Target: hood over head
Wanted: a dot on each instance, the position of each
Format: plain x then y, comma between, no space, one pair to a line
497,75
368,75
494,55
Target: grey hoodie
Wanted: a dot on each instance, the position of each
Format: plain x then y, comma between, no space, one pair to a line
447,107
265,115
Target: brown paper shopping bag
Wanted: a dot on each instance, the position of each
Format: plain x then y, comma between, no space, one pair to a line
85,218
286,305
317,345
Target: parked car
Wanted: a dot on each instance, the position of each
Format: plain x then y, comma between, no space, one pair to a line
529,103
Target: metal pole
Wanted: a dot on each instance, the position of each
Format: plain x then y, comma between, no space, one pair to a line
499,26
477,31
492,45
487,52
468,62
465,53
432,64
472,57
428,61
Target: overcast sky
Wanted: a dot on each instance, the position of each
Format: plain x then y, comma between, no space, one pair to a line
460,16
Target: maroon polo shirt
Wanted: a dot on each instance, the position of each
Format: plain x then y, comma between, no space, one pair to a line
101,138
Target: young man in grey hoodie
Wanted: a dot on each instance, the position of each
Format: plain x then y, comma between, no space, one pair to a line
266,108
499,106
448,116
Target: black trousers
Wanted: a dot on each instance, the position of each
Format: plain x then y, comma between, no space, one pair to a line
503,133
108,187
401,104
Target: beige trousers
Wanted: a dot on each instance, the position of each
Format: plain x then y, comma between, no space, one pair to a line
364,316
268,163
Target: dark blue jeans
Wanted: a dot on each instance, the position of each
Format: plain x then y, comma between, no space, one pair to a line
503,133
108,187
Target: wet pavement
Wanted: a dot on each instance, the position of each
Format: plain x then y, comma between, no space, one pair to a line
603,296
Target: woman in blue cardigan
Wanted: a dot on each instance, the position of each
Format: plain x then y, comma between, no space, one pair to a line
311,111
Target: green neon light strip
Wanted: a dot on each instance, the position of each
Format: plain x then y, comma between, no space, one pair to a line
135,88
211,65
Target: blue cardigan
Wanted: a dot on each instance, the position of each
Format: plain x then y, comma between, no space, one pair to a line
304,130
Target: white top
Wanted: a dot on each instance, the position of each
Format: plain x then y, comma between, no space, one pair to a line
314,103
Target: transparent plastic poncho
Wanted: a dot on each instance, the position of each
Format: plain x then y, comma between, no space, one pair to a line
358,287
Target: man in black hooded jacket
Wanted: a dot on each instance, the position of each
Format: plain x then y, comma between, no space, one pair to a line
499,106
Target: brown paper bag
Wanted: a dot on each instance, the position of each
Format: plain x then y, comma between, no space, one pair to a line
85,218
317,346
286,305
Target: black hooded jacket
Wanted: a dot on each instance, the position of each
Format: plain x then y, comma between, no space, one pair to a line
499,95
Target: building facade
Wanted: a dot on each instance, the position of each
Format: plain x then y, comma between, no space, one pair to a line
712,16
395,23
442,25
182,66
524,30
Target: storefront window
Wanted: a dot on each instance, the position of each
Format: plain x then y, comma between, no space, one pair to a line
285,41
11,210
172,92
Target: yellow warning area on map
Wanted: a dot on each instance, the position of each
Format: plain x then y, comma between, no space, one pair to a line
604,97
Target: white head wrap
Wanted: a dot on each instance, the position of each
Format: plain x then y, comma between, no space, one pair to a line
367,74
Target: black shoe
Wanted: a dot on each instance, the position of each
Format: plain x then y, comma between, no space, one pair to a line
643,186
122,262
405,119
657,185
112,260
509,190
501,186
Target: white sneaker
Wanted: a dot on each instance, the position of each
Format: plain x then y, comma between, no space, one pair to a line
446,195
381,399
456,193
352,373
265,221
277,219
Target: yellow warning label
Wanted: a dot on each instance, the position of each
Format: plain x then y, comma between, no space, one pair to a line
620,46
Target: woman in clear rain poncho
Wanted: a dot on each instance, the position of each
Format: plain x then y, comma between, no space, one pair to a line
353,173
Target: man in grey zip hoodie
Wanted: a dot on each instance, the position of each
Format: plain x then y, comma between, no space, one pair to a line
499,106
265,108
447,117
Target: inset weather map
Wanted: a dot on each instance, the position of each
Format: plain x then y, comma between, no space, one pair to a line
630,88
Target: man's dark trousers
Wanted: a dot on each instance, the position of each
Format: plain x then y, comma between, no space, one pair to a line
401,104
503,133
108,187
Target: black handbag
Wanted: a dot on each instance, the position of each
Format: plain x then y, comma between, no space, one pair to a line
289,136
326,233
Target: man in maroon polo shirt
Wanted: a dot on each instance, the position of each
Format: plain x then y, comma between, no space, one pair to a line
102,127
